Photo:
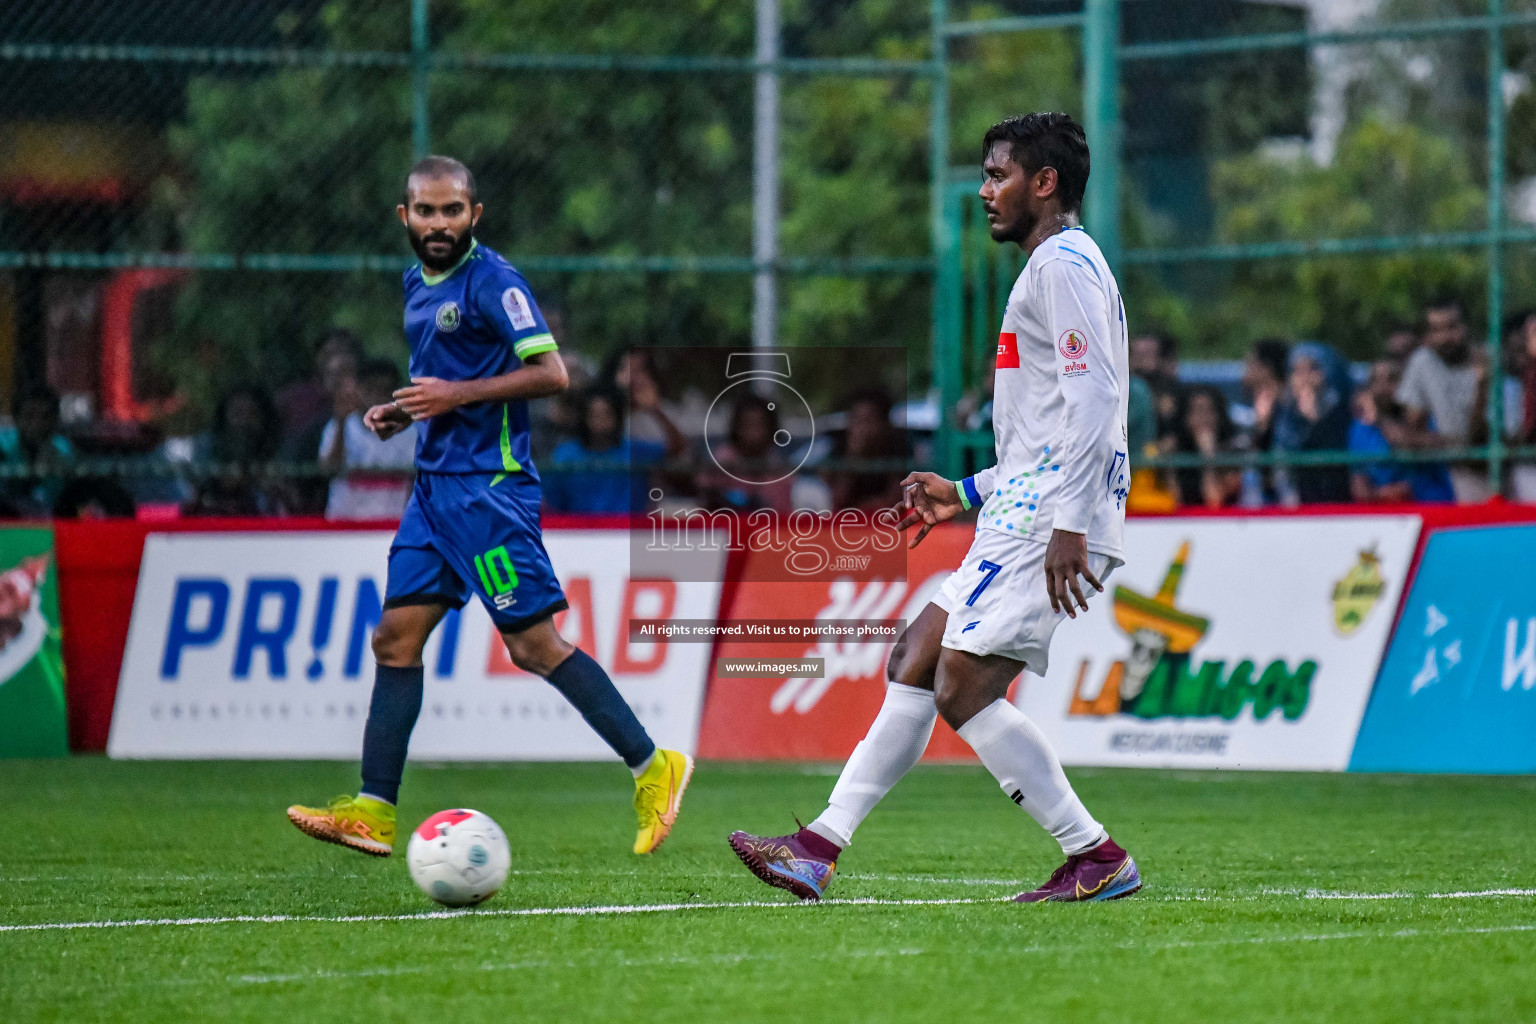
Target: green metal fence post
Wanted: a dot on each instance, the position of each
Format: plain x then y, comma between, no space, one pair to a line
1495,246
421,72
1101,111
946,280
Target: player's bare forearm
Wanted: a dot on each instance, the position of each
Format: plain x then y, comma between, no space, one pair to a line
539,377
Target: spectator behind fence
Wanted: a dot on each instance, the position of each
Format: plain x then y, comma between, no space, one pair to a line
1150,491
1378,412
307,405
1155,359
1207,430
603,469
869,436
1521,337
1401,343
371,477
1441,392
1314,417
94,497
244,439
35,441
1265,368
313,403
634,372
752,472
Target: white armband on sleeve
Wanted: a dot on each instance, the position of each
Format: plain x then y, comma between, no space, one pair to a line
974,490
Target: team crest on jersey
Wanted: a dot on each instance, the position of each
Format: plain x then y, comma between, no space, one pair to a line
1073,345
448,317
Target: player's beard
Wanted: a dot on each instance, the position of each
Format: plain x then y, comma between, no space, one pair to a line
460,246
1016,232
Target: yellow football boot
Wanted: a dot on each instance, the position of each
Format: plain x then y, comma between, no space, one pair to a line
658,793
360,822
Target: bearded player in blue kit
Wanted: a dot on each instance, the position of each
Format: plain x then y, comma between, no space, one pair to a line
480,349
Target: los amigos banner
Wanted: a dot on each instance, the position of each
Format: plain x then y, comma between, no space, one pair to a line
1220,644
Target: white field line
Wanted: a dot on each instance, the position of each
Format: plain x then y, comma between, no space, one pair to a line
657,908
731,959
1323,894
439,915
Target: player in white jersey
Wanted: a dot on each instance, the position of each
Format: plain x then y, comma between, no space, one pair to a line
1049,532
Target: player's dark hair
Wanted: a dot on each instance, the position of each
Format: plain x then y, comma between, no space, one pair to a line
1040,140
599,392
1274,354
443,167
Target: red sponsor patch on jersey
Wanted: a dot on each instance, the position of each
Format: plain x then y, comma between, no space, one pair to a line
1073,345
1008,351
441,822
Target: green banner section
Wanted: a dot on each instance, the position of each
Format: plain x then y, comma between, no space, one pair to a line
32,722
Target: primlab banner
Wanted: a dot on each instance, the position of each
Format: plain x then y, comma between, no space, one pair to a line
256,645
1228,644
32,722
1458,690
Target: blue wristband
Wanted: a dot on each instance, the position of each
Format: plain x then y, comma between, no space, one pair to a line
969,496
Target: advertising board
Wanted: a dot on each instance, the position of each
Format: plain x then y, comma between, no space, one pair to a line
1221,643
1228,644
1457,691
256,645
32,721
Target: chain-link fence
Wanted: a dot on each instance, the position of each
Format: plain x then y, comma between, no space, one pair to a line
1352,174
193,196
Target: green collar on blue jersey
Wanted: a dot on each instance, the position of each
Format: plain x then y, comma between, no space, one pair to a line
431,279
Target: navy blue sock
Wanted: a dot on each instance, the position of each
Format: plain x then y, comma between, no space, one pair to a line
391,716
584,683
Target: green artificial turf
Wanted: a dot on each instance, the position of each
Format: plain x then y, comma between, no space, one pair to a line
1229,927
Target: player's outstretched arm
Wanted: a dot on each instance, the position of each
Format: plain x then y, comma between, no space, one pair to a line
929,499
540,375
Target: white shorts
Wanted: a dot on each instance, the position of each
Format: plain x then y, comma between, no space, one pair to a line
997,602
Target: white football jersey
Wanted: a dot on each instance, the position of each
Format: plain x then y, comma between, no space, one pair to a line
1059,404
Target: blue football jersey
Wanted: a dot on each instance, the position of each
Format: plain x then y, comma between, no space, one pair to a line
478,320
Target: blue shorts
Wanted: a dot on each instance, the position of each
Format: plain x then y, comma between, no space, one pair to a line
461,534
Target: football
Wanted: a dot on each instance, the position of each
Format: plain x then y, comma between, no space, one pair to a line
459,857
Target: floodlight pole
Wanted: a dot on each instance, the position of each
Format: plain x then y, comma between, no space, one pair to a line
765,179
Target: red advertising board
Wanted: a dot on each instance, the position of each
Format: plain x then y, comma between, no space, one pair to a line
821,719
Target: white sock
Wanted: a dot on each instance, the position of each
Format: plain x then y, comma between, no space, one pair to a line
1021,759
888,751
639,769
380,799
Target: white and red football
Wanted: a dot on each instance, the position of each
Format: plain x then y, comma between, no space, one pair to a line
459,857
